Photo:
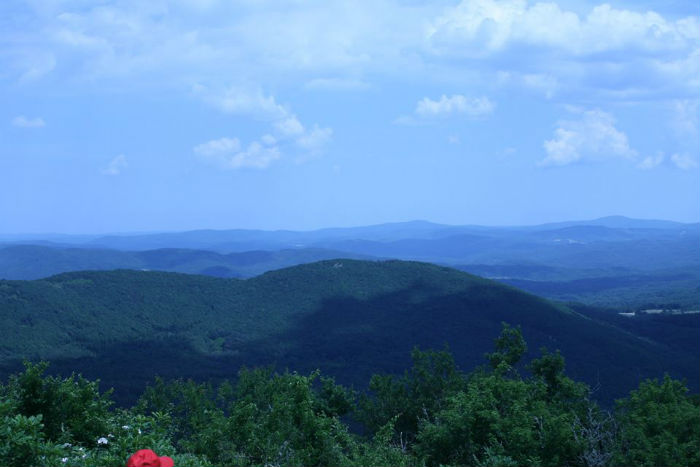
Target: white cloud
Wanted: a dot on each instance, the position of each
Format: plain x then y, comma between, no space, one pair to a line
116,165
34,65
455,104
25,122
681,161
651,162
246,101
685,117
285,125
684,161
590,137
268,140
481,27
315,140
290,126
250,40
335,45
427,110
255,156
544,83
217,147
227,154
617,52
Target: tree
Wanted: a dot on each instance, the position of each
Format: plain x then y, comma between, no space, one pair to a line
277,419
71,408
501,419
418,394
660,425
510,347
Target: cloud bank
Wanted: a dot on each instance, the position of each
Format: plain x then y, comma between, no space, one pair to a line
286,130
592,136
616,52
227,153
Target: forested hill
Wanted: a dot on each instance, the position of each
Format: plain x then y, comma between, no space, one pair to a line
350,318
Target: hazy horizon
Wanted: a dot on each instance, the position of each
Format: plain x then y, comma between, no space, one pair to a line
130,116
148,232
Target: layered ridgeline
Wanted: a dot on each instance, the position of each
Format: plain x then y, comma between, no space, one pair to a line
40,261
617,262
350,318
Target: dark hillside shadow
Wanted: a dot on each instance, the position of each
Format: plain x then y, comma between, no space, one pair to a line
351,339
129,366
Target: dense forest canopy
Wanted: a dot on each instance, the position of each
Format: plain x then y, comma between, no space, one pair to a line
351,318
433,414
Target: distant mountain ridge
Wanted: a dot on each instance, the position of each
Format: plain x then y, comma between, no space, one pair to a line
36,261
250,239
613,261
620,222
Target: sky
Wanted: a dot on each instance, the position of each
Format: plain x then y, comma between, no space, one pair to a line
133,116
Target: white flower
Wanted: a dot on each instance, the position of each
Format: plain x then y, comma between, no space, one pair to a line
125,427
103,440
110,435
67,445
139,430
64,459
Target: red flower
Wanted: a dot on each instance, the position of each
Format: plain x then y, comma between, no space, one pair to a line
148,458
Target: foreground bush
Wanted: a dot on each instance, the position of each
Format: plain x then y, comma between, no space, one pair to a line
432,415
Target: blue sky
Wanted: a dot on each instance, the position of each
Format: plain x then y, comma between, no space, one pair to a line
125,115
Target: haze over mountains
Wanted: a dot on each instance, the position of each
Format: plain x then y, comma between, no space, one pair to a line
612,261
246,239
330,299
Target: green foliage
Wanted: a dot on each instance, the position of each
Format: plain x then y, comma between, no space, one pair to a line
70,408
660,425
265,418
276,419
47,420
498,416
22,441
126,434
418,394
191,406
335,400
431,415
549,369
383,450
510,347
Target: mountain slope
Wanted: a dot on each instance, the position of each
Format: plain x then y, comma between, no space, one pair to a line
350,318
